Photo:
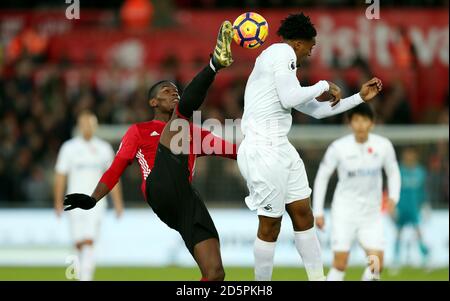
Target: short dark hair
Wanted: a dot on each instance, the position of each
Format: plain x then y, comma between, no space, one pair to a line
297,27
155,88
362,109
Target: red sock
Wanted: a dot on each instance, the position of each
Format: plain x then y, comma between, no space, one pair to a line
204,279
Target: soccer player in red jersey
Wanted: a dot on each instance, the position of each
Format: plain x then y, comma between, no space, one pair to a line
166,174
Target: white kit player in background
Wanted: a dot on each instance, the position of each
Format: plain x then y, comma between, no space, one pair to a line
356,209
274,172
81,162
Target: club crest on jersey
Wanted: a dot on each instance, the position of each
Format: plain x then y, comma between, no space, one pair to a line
370,150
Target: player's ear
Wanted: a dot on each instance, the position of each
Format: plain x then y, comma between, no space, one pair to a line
153,102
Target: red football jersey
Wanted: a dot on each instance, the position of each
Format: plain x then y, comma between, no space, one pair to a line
140,142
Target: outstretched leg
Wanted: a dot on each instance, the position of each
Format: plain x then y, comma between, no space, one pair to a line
195,93
207,256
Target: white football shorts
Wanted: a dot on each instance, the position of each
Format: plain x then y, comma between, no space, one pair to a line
85,224
366,229
275,175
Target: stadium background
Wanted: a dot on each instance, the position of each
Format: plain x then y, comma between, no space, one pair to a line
52,68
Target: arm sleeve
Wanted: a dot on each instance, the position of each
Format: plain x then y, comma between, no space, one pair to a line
392,172
124,157
213,145
63,160
326,169
287,85
320,110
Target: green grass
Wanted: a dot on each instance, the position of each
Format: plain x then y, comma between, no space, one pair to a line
179,273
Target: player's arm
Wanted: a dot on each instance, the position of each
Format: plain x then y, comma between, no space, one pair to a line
124,157
58,192
392,170
319,109
326,169
290,92
116,192
212,145
60,180
117,198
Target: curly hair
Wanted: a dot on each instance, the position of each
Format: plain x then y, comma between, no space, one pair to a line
297,27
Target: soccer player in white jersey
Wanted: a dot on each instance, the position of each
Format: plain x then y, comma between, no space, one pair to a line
81,162
356,209
274,172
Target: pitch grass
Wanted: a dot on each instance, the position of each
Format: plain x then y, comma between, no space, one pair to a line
188,274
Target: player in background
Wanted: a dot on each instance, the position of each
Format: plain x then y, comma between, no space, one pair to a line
274,172
80,164
356,208
166,175
412,197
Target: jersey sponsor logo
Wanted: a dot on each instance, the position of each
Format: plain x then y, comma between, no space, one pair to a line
268,207
363,173
154,133
292,66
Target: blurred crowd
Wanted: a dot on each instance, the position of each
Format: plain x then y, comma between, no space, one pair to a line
40,99
232,3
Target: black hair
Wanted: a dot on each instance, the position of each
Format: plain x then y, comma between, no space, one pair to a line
155,88
297,27
362,109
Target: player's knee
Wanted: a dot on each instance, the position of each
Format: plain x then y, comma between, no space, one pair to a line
303,219
269,232
340,263
215,273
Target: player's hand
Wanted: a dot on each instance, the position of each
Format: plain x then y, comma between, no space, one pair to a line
59,207
119,211
320,222
335,92
390,207
371,89
78,200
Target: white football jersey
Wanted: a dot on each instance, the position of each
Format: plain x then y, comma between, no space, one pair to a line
263,112
84,163
359,168
272,91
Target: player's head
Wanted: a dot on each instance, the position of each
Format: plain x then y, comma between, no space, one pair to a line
300,33
409,157
87,124
163,97
362,120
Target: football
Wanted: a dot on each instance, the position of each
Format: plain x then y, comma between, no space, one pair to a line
250,30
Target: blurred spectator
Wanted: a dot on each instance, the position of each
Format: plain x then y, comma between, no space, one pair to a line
36,187
136,15
403,50
30,42
395,108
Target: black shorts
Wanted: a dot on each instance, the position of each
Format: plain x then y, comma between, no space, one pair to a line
175,201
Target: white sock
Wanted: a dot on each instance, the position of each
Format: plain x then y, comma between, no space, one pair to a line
335,275
369,276
263,252
308,247
87,263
